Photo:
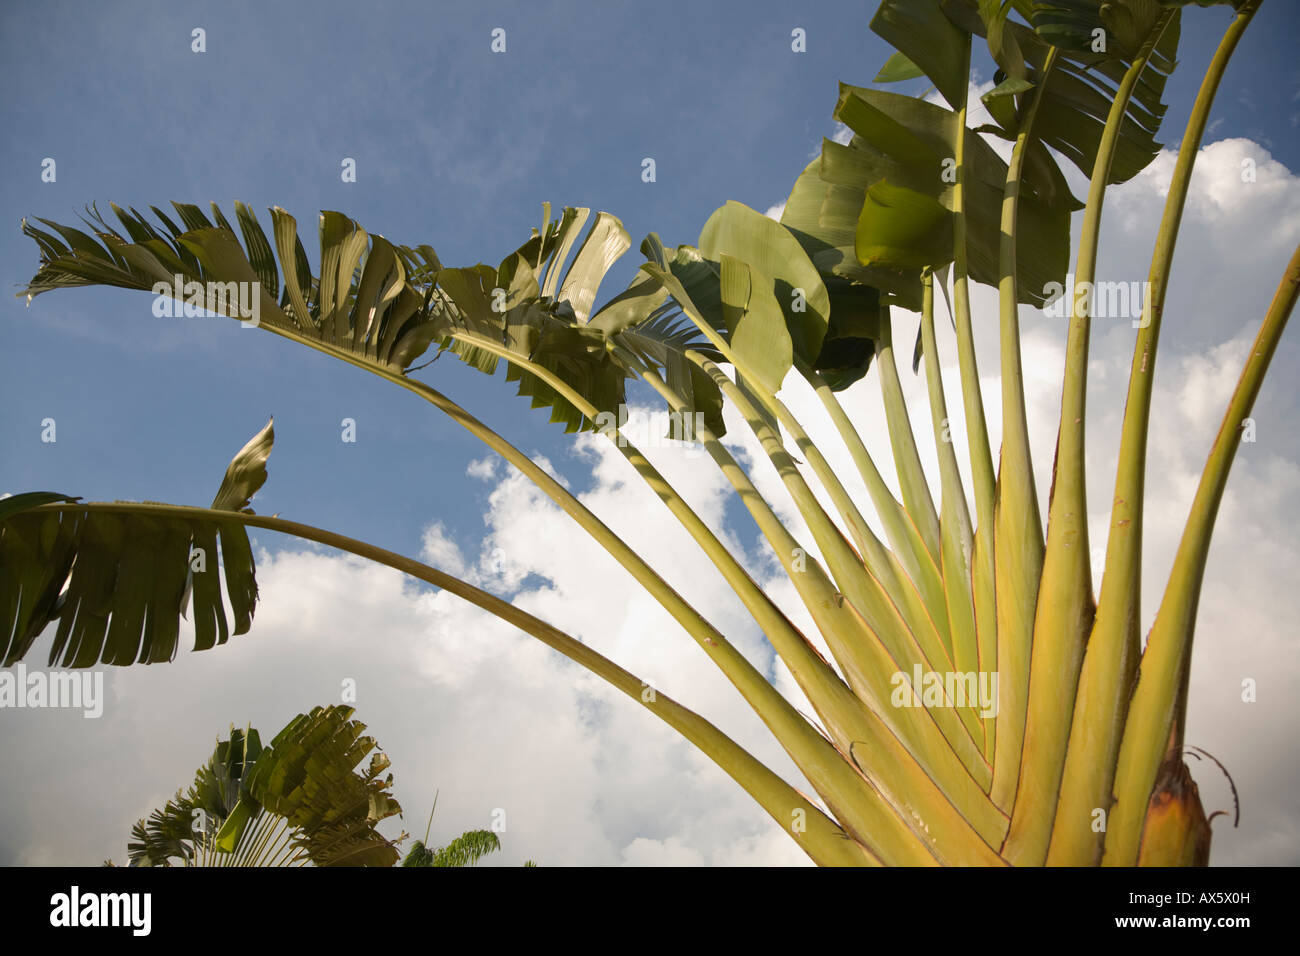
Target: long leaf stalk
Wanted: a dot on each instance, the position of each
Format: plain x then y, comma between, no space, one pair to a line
907,460
847,571
1110,660
814,586
844,562
875,556
791,730
859,587
285,849
849,648
778,536
1155,714
981,457
903,447
853,579
876,603
1018,528
957,537
881,563
822,838
811,672
847,645
843,711
977,436
902,533
766,613
1064,614
886,763
252,849
262,825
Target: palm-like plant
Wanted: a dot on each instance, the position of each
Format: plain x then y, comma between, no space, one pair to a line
1080,730
465,850
298,802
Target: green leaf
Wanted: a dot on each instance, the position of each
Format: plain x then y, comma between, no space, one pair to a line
371,303
630,307
786,286
849,345
1001,102
823,217
898,68
1078,97
604,245
12,504
898,171
903,227
246,473
503,307
307,778
128,577
1003,45
920,31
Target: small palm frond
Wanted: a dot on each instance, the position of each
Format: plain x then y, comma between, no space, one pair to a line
1096,44
371,300
298,801
307,776
119,584
183,829
466,850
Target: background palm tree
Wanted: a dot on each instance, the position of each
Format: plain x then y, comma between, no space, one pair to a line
299,801
465,850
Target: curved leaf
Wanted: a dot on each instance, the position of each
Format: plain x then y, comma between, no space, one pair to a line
119,584
897,172
1078,96
921,31
247,472
785,285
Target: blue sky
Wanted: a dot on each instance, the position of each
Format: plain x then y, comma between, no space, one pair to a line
455,146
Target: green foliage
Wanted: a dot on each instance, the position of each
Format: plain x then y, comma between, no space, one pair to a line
466,850
297,801
119,584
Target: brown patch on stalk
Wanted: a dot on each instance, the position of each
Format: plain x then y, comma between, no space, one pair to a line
1177,831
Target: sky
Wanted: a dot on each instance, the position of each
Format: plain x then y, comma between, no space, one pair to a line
458,146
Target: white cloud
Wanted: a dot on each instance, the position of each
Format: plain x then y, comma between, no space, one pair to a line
440,551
